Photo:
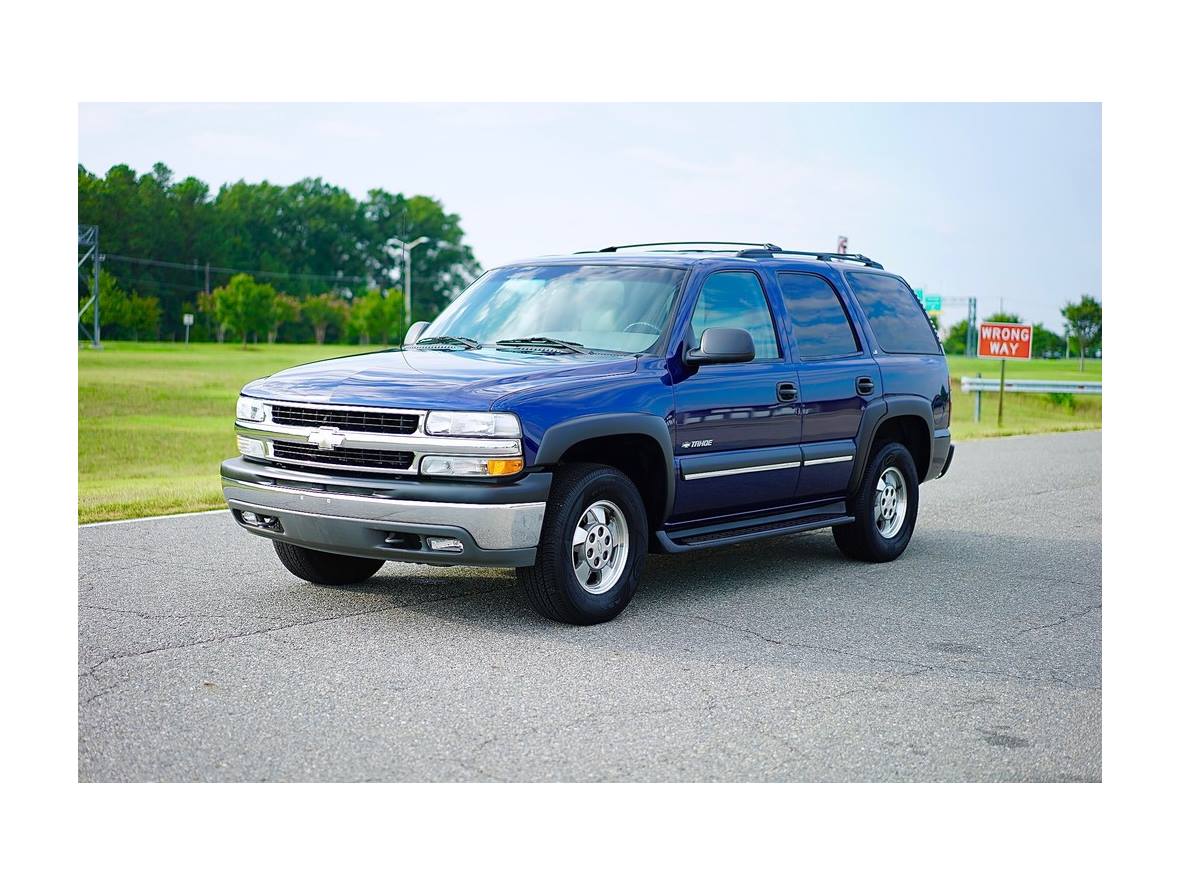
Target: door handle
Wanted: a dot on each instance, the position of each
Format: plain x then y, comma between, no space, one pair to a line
788,392
865,386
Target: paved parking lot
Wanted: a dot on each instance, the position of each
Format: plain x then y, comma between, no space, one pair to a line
976,656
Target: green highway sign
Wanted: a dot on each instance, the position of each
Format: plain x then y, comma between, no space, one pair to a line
933,302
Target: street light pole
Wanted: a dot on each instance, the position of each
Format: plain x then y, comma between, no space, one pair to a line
407,258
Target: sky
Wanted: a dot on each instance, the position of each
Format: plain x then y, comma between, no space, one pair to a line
997,201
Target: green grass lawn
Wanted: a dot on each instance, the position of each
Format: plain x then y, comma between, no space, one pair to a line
1025,412
155,420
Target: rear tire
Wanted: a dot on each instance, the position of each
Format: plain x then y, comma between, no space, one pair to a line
885,506
325,568
592,547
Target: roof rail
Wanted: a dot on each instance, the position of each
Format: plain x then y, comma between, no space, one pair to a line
762,247
822,256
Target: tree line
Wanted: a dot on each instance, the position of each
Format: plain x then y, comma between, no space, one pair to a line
250,311
320,251
1083,332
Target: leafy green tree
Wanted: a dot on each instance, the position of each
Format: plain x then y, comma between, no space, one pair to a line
378,317
324,311
1046,342
122,314
1004,318
245,306
207,306
442,266
955,341
308,237
143,316
112,307
284,309
1083,322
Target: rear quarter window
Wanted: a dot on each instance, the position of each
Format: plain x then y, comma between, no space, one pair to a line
821,327
898,321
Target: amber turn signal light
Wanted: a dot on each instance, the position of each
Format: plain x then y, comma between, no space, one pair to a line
504,466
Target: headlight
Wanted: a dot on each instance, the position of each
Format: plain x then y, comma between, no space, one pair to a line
472,424
251,409
465,465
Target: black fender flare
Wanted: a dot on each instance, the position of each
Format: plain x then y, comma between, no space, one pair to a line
877,411
558,439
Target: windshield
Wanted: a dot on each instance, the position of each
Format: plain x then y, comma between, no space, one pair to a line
597,307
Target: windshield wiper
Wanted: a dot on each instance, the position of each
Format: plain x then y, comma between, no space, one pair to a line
543,341
457,340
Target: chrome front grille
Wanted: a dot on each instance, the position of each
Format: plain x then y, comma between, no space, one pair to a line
344,419
345,459
355,439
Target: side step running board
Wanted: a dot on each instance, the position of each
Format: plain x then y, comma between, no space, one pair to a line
724,534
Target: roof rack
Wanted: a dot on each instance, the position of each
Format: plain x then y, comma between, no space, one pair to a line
762,247
753,250
822,256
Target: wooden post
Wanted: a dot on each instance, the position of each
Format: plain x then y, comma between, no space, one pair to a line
1000,415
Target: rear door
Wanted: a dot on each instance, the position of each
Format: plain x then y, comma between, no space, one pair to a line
737,429
838,378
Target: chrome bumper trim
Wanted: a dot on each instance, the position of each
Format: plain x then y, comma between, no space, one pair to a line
492,526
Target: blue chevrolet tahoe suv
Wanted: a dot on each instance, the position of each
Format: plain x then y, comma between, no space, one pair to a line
567,416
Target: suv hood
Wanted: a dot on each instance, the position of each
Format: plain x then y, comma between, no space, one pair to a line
433,379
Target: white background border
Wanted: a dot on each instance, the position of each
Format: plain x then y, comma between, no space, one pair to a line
57,56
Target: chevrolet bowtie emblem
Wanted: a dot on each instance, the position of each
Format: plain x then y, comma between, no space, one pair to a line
325,438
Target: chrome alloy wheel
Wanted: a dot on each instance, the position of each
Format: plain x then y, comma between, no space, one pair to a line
889,505
599,550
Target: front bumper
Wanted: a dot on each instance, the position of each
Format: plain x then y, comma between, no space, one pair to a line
381,518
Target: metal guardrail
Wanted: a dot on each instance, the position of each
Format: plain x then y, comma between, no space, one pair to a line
972,384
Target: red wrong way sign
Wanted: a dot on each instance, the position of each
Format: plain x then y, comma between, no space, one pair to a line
1005,341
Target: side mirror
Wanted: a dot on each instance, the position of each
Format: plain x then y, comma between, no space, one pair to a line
415,332
722,346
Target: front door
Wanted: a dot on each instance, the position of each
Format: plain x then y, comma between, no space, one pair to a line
737,428
837,379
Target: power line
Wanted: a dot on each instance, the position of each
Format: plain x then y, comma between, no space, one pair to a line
183,287
155,262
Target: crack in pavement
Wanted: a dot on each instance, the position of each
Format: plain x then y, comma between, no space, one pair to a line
90,670
152,616
881,687
1062,620
924,665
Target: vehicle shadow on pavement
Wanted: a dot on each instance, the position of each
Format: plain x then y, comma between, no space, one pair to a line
794,582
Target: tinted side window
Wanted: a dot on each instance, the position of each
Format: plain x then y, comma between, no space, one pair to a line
900,324
735,300
818,319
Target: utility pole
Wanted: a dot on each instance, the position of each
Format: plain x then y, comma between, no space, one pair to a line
972,328
407,259
97,263
88,240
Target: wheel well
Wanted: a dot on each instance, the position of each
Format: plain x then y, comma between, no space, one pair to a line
635,455
913,433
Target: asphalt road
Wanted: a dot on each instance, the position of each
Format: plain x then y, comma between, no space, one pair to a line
976,656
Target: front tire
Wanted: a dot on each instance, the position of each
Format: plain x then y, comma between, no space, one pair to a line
592,547
885,506
325,568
